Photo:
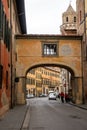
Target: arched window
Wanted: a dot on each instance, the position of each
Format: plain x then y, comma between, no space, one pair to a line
74,18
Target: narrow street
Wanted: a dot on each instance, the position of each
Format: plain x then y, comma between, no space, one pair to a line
53,115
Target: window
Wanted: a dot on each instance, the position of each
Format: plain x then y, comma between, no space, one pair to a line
8,3
30,81
1,75
4,27
66,19
32,71
49,49
38,84
1,18
6,79
80,16
74,19
0,15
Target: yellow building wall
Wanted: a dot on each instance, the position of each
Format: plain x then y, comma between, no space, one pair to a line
29,53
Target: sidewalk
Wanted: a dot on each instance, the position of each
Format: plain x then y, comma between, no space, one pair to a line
82,106
14,118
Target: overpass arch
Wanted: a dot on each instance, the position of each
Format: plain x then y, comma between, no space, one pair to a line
66,50
51,65
72,78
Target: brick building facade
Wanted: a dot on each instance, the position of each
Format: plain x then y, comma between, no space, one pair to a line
10,24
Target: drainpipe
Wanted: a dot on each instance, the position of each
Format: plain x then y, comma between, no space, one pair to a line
11,51
0,45
83,56
85,31
0,51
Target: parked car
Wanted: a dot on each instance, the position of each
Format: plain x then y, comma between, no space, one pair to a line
52,96
30,96
51,91
43,95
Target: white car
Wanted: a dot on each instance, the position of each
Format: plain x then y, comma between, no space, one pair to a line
51,92
30,96
52,96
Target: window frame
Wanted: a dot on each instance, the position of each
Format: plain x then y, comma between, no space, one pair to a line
48,51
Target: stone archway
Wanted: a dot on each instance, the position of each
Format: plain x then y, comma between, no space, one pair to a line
66,52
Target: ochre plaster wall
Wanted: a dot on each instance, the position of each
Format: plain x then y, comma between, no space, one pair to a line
29,53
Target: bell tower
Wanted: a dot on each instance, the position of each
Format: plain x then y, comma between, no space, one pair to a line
69,20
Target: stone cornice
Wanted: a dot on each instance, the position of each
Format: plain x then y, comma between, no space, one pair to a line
51,37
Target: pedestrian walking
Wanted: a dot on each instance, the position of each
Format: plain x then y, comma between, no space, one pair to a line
66,97
62,97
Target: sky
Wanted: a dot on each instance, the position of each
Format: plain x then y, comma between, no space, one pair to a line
45,16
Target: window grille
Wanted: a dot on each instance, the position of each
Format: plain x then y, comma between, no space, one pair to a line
50,49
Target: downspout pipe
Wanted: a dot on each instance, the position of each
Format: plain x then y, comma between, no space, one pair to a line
11,52
0,51
84,56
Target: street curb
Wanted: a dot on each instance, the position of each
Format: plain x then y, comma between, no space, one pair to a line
25,124
82,107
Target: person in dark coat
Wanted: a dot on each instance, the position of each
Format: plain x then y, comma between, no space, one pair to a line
66,97
62,97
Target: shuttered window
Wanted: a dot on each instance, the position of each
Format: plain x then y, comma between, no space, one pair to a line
1,75
1,19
